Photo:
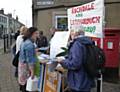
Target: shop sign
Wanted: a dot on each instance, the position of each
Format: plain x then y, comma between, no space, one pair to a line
46,2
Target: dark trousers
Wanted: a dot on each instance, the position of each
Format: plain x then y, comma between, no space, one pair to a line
23,88
16,72
79,91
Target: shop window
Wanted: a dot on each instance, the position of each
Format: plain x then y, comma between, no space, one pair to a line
1,19
61,23
5,20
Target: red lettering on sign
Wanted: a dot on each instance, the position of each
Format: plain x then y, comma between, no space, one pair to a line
83,8
86,21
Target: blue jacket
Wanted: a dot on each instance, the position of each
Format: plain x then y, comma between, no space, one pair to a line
27,52
77,77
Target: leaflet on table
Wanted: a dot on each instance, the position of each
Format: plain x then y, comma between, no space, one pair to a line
43,58
51,62
52,66
43,48
47,57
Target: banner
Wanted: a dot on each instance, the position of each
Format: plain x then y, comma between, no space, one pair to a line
90,16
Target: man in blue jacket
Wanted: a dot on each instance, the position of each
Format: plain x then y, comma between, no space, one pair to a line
78,80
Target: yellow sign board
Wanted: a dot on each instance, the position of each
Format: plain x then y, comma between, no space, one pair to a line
52,81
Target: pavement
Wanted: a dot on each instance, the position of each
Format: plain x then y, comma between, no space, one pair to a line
8,83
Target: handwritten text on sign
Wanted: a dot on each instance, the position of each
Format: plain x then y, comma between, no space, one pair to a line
89,15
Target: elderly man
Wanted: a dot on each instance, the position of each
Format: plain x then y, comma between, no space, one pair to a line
78,80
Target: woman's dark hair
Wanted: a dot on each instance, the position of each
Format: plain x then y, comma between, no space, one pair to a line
29,33
41,32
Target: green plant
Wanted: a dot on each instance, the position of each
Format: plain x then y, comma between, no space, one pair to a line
64,53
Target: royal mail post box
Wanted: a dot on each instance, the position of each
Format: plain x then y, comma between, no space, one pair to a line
111,46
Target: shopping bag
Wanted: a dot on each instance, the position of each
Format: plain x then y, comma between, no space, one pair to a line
16,60
37,68
32,84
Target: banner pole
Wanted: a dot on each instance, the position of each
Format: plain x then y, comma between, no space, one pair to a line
100,76
102,46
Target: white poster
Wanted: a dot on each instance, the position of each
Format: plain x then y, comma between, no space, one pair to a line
60,39
90,16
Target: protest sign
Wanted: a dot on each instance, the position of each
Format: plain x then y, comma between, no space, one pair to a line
90,16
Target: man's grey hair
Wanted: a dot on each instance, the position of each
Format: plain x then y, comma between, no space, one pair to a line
79,30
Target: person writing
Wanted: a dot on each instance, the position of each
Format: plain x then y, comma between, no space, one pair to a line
77,78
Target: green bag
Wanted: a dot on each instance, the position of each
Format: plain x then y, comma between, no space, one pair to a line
37,68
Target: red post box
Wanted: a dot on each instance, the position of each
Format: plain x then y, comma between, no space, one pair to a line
111,47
